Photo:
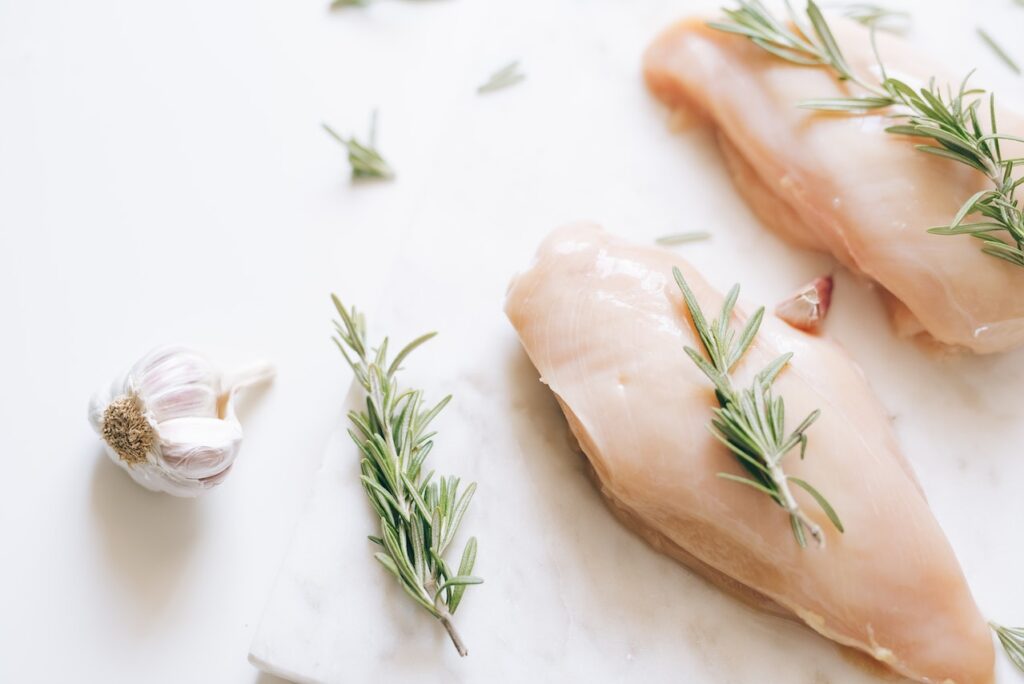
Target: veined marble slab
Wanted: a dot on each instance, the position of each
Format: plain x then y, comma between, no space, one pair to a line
571,595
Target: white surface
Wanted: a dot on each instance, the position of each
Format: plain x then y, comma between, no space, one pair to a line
570,595
163,178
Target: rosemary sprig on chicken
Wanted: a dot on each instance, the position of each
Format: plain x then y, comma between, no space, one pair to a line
419,516
947,120
751,422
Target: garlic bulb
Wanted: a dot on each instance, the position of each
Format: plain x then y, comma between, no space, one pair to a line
170,421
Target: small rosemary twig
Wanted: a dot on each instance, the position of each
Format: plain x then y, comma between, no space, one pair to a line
418,517
365,160
751,422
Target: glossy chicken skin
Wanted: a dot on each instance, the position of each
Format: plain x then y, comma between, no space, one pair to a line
840,183
605,326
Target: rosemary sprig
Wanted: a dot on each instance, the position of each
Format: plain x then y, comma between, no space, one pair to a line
998,50
949,121
683,238
1012,640
507,76
419,517
365,160
751,422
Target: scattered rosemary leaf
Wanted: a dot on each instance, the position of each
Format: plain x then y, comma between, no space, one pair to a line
505,77
998,49
683,238
335,4
365,160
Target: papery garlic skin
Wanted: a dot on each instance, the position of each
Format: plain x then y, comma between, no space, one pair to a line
170,420
807,308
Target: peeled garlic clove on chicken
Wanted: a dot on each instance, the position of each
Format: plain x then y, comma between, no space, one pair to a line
807,307
170,421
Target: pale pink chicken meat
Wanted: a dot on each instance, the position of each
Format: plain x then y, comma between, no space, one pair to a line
839,183
605,326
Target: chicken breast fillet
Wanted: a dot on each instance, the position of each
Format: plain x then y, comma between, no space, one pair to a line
605,325
840,183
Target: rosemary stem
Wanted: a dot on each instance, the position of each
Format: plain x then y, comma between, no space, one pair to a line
445,617
792,507
446,620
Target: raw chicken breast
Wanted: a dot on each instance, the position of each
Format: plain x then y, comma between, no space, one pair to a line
605,325
840,183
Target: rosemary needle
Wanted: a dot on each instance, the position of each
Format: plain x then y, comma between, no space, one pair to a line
751,422
507,76
683,238
998,50
419,516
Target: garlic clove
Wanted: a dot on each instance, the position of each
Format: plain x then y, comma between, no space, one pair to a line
807,308
176,382
198,448
159,479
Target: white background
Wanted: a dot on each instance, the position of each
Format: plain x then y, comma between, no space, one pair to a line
163,178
